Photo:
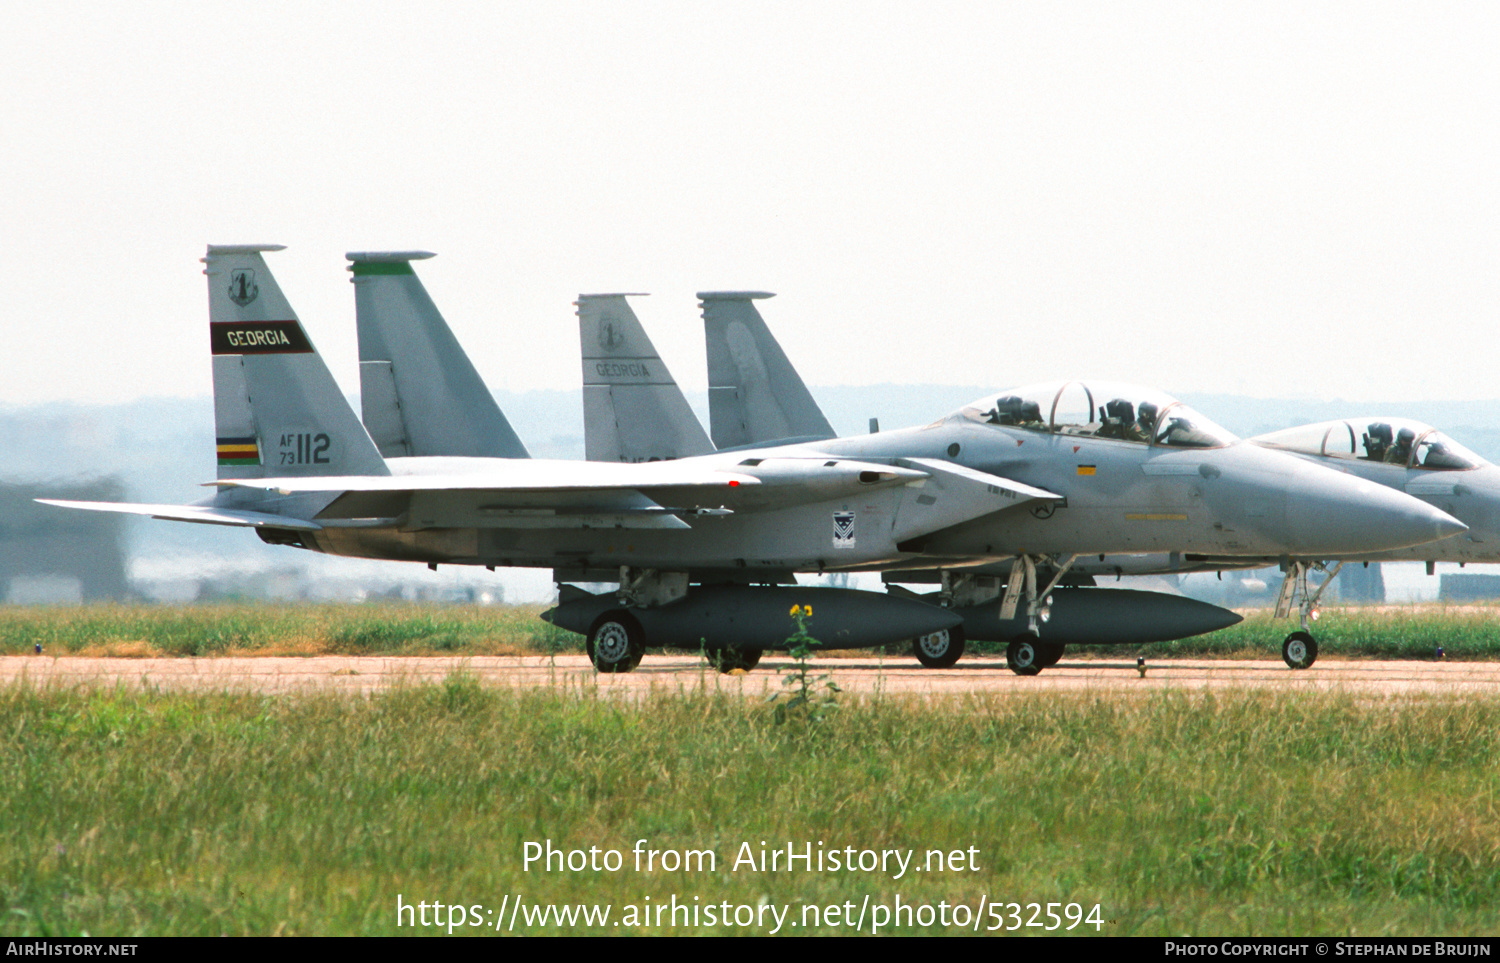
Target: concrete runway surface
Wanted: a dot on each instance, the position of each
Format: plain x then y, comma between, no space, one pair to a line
673,673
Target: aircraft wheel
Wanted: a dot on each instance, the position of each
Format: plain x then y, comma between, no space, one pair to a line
939,650
615,642
1300,650
1051,653
728,660
1022,656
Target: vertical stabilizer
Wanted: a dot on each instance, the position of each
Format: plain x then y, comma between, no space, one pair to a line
755,396
632,408
419,393
277,410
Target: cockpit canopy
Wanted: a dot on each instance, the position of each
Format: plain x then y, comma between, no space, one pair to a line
1101,409
1394,441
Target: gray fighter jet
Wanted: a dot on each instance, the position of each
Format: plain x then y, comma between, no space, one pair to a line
756,396
1415,458
1405,455
634,411
724,533
1396,452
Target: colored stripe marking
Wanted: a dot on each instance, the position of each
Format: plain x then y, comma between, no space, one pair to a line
364,269
238,451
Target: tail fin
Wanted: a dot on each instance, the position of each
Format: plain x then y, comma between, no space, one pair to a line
419,393
277,410
632,408
755,396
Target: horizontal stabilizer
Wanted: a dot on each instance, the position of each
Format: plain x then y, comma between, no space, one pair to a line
824,475
520,475
202,514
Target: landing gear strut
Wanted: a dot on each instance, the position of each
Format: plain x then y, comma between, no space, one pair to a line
1300,649
1028,655
1022,582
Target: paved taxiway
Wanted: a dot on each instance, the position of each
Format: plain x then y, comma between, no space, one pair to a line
664,673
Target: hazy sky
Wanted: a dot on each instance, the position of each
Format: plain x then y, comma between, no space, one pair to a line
1264,199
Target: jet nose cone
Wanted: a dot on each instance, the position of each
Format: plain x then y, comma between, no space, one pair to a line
1350,516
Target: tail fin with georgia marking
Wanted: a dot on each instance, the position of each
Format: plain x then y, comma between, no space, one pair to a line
277,410
632,408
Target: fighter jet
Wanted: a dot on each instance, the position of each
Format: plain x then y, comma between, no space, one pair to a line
724,533
1415,458
756,395
629,392
296,465
1396,452
1404,455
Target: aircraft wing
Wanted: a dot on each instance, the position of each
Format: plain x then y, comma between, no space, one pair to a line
203,514
533,493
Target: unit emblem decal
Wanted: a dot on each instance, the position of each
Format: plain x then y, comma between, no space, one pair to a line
609,338
242,286
843,529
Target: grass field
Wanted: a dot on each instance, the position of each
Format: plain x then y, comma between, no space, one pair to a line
1470,632
271,629
132,812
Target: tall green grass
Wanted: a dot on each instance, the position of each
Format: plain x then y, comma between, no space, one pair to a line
1257,812
271,629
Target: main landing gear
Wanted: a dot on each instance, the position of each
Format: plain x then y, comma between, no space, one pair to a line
615,643
939,650
1300,649
1022,656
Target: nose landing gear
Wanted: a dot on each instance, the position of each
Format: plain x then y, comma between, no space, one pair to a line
1300,649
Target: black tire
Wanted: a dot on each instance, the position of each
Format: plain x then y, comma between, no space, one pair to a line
1023,656
1051,653
729,660
615,642
939,650
1300,650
